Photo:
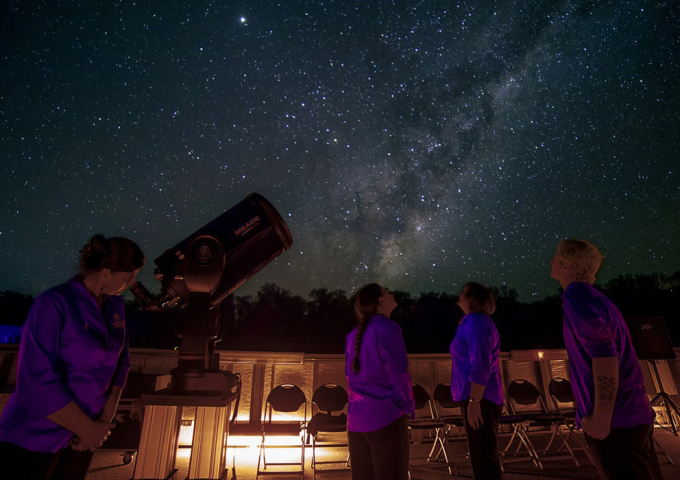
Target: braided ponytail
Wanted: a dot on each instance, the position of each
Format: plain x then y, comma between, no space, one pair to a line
365,306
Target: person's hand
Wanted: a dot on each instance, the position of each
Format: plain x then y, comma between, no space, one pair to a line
93,437
595,427
77,444
474,415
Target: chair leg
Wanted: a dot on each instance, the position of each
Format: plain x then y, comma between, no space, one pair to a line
524,437
582,444
314,457
512,438
444,446
552,439
302,454
259,458
565,443
439,452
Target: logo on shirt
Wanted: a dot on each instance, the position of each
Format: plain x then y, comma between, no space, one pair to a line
118,322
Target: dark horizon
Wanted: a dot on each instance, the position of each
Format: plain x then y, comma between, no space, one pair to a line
275,319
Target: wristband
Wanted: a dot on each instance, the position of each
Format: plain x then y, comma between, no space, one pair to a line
475,400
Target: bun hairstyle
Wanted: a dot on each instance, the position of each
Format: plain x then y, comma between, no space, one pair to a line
365,306
118,254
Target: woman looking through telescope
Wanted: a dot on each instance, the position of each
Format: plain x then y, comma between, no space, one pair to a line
72,367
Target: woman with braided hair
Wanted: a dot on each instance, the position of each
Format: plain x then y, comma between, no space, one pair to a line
73,364
380,392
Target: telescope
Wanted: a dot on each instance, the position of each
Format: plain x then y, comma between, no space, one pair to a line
200,272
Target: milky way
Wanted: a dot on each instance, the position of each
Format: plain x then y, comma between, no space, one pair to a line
417,144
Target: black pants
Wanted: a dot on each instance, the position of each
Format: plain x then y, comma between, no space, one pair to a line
483,442
382,454
17,463
626,454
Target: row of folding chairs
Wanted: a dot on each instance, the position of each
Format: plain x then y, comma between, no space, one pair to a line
440,416
437,418
560,424
328,400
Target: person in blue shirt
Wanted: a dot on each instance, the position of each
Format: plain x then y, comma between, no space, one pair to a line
476,378
380,392
72,367
612,407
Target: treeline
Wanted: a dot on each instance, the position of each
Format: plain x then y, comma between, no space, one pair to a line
276,320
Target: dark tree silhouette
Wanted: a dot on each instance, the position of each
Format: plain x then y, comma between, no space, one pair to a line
276,320
14,307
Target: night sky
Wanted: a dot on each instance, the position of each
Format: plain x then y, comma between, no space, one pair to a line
420,144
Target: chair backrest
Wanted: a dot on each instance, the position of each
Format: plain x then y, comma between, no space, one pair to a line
422,400
330,398
523,392
286,398
420,396
560,390
443,396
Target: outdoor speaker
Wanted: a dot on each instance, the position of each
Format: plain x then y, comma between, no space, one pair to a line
650,338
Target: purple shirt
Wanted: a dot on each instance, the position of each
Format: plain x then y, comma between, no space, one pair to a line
474,358
70,352
594,328
381,392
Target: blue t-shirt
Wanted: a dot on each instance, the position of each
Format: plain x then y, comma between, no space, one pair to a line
474,358
381,392
594,328
70,352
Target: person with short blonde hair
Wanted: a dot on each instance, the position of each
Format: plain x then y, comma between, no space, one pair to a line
612,407
584,256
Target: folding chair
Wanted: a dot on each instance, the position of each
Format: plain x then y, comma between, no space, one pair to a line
328,398
522,392
287,399
516,423
444,400
560,392
428,421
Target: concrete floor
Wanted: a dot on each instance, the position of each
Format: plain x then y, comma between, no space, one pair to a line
108,465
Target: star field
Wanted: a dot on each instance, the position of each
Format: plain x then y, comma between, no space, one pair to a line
417,144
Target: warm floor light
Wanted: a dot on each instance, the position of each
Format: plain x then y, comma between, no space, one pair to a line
183,453
253,441
186,432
